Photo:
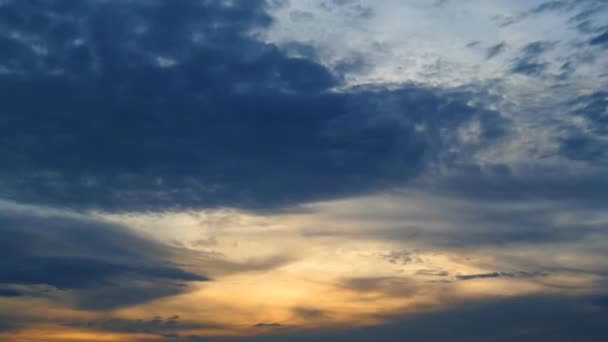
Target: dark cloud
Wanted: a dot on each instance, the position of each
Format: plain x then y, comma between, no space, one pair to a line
301,15
160,326
75,272
586,21
138,110
601,40
433,273
601,301
309,313
400,257
588,18
95,265
530,61
583,147
593,107
500,275
528,319
488,207
550,6
530,68
496,50
387,286
500,183
10,293
537,48
352,8
587,144
584,9
268,325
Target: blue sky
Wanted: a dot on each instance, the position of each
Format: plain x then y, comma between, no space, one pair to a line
314,170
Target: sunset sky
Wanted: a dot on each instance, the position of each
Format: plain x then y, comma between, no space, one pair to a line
303,170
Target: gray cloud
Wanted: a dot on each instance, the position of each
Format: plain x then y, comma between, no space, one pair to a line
197,114
268,325
496,50
388,286
309,313
528,319
601,40
167,327
10,293
499,275
103,265
530,61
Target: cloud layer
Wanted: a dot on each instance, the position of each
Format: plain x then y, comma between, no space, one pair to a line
315,170
135,110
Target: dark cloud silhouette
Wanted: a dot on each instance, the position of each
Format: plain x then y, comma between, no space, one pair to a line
585,10
601,301
582,147
163,105
309,313
102,264
400,257
537,48
387,286
432,273
352,8
499,275
528,319
588,144
9,293
550,6
166,327
601,40
500,183
268,325
593,107
138,110
530,68
530,61
496,50
490,207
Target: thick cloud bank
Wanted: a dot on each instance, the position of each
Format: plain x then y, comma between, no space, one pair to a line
156,105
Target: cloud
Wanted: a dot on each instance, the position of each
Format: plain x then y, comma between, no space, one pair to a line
601,40
352,8
494,210
137,111
527,319
498,275
151,113
587,142
530,61
268,325
601,301
495,50
90,264
530,68
550,6
400,257
10,293
583,147
309,313
387,286
432,273
502,183
154,326
584,11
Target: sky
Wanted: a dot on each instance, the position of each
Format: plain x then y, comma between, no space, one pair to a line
303,170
